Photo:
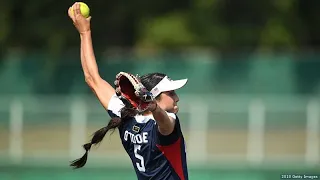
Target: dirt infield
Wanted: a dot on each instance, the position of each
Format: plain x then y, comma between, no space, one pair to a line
51,138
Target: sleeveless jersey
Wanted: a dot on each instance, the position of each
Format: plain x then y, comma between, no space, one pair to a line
153,155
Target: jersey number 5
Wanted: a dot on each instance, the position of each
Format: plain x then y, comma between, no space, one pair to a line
140,165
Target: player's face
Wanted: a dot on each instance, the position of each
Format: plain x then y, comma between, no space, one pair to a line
169,101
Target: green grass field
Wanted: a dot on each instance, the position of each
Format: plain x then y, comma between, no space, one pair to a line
55,173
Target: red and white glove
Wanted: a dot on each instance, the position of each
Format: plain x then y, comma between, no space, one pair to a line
132,92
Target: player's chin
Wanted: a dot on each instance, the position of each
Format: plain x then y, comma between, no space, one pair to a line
175,109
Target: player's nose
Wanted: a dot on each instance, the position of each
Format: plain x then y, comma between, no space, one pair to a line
177,98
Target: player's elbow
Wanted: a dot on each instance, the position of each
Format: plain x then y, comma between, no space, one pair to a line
166,130
166,127
93,81
90,81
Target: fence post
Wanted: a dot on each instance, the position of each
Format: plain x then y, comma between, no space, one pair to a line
78,123
312,144
255,144
198,131
16,126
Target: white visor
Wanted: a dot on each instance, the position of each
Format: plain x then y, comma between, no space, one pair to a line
167,85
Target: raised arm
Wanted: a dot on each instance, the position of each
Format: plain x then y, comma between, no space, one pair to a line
102,89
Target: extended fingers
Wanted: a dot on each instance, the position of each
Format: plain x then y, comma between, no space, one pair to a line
70,13
76,9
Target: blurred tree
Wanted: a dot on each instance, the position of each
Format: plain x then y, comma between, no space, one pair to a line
278,29
222,24
307,32
42,26
167,31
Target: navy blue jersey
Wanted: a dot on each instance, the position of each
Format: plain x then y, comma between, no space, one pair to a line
153,155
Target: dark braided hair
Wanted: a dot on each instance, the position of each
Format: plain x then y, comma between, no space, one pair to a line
127,113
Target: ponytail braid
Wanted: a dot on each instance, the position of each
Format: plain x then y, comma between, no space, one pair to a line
126,114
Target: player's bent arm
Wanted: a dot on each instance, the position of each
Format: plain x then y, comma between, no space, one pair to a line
165,123
102,89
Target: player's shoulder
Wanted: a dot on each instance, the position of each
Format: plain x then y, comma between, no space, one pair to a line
150,118
114,107
172,115
115,101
